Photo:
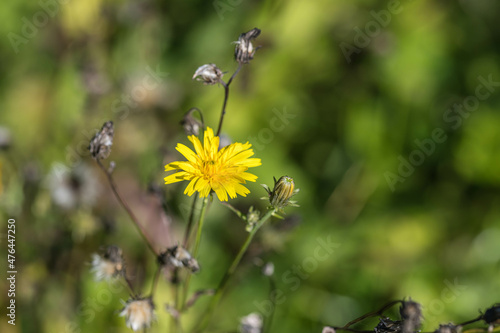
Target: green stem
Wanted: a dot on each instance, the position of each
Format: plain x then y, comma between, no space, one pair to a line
200,227
194,253
203,323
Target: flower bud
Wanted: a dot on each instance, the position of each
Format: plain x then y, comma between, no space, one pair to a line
253,216
284,189
100,145
208,74
245,50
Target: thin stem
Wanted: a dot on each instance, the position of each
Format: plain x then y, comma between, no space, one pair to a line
203,323
233,209
155,281
200,227
471,321
349,329
371,314
127,208
226,95
194,253
130,287
190,221
269,322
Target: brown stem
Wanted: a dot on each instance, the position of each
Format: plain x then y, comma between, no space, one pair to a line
127,208
129,284
370,314
471,321
155,280
349,329
226,95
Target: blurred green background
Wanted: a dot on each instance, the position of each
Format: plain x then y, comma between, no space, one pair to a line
69,66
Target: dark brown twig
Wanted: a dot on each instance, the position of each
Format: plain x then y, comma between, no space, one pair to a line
127,208
378,312
226,95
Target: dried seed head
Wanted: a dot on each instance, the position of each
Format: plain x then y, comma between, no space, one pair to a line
208,74
251,323
178,256
191,124
492,315
100,145
411,314
387,325
268,269
109,265
73,188
448,328
284,189
244,50
138,313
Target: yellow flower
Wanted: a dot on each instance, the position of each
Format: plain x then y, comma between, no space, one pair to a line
222,171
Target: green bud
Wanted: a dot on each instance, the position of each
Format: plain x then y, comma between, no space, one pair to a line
284,189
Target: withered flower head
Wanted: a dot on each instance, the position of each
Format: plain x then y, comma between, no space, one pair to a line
178,256
208,74
251,323
448,328
284,189
138,313
492,315
109,265
244,50
387,325
327,329
268,269
191,124
100,145
411,314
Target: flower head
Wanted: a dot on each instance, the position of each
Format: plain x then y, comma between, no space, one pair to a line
411,314
178,256
245,50
191,124
251,323
387,325
492,315
109,265
448,328
138,313
100,145
210,169
284,190
209,74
